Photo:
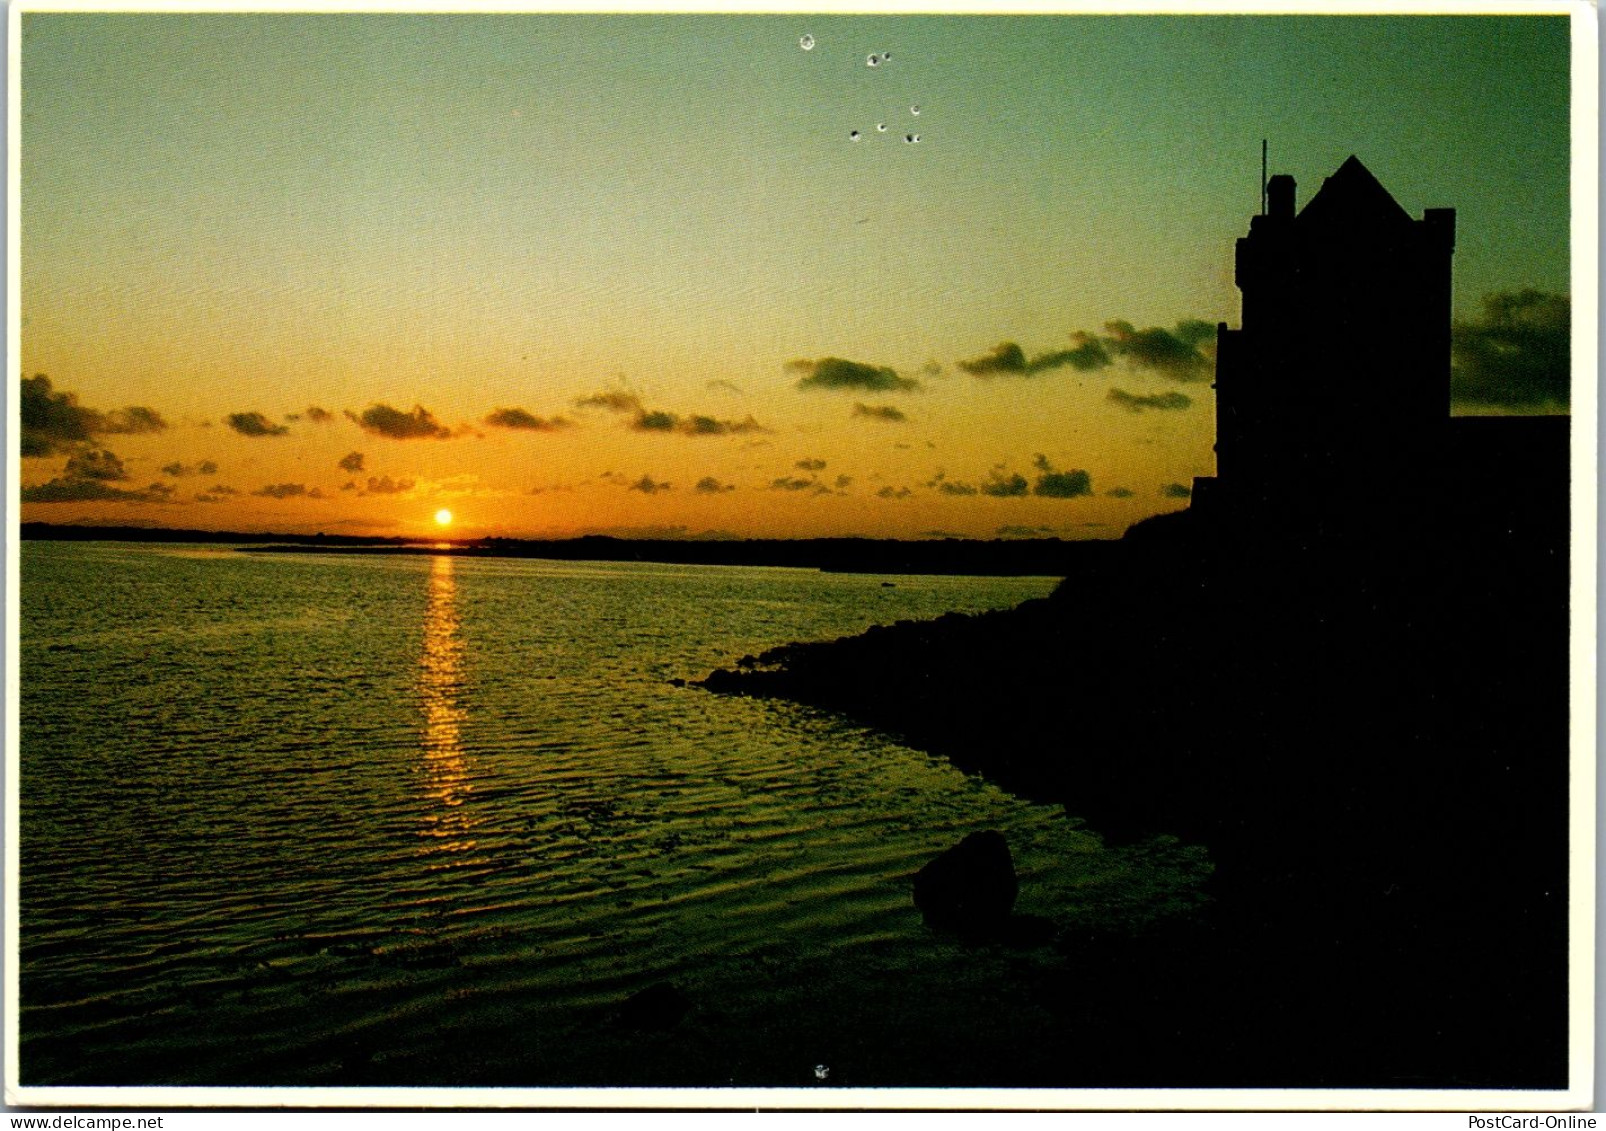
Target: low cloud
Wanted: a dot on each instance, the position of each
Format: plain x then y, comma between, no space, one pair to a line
949,487
793,483
708,485
879,412
352,462
55,422
179,470
132,420
699,425
65,490
1119,493
385,485
1024,531
1175,491
1063,484
1000,487
839,373
1184,353
254,424
1173,353
726,386
88,477
647,485
281,491
657,420
1008,358
318,415
1052,484
894,493
1135,403
96,464
810,465
1518,354
1087,354
520,420
392,423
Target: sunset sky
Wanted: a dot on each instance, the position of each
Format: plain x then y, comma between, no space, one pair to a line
566,274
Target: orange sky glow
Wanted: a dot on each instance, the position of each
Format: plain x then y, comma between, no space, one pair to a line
559,275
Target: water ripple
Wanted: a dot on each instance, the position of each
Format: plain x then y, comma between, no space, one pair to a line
294,819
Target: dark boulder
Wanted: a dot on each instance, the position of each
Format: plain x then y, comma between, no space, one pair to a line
724,682
971,887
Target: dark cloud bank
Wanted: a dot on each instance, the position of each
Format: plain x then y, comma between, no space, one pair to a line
385,485
1170,400
839,373
55,422
394,424
1184,353
89,477
517,419
883,412
1517,355
254,424
1050,483
287,491
179,470
643,419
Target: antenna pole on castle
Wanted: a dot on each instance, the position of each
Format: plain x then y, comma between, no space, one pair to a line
1262,176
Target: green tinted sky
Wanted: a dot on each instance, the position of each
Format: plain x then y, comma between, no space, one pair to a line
225,213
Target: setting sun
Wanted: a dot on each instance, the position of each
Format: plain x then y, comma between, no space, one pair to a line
443,517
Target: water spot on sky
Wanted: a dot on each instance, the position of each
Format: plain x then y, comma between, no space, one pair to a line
911,138
873,61
880,127
853,135
915,110
807,42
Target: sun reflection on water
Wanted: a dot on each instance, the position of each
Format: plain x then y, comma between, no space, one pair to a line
440,685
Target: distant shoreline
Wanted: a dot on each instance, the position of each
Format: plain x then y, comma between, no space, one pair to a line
1033,557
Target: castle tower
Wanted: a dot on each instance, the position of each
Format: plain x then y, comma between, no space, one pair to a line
1334,395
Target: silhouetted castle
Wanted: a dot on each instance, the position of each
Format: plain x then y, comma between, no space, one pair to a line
1333,400
1338,385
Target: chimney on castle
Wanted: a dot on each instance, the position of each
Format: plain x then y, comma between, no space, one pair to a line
1280,196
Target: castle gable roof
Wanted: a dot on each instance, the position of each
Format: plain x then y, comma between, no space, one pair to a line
1352,200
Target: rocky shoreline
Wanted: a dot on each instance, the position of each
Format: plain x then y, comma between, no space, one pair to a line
1371,739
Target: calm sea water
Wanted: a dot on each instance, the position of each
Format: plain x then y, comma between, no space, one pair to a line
302,819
